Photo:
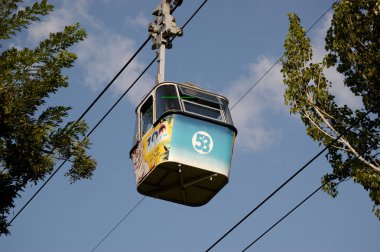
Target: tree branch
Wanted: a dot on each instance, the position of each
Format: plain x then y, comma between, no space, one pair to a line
316,125
342,139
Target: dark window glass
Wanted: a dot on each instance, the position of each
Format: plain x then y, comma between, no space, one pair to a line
199,97
202,110
146,116
166,100
201,101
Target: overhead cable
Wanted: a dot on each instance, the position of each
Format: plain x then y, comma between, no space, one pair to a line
186,23
79,119
287,214
288,180
84,114
278,60
122,219
134,207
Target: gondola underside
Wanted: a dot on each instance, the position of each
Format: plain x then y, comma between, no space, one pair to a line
183,184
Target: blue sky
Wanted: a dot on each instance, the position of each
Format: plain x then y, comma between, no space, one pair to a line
225,49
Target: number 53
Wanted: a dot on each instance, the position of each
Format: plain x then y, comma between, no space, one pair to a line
202,142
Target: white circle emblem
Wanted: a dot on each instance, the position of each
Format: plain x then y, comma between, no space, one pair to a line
202,142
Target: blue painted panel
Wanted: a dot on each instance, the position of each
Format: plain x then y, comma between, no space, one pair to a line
201,144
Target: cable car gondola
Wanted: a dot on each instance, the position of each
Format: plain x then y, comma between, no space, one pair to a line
184,143
184,134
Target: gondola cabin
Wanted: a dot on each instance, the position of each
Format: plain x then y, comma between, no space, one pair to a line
183,144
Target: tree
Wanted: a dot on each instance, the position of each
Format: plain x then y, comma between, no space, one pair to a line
32,136
352,46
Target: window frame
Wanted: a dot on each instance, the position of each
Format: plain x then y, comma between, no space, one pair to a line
219,103
156,100
204,106
146,100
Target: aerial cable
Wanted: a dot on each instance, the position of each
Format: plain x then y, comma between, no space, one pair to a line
195,13
125,216
288,213
186,23
292,210
88,134
279,59
121,97
113,80
134,207
288,180
79,119
88,109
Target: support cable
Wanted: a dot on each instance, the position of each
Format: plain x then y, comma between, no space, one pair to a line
125,216
88,109
89,133
288,180
279,59
114,228
80,118
291,211
186,23
286,215
195,13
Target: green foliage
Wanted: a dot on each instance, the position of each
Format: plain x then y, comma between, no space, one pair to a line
13,20
352,45
32,139
353,42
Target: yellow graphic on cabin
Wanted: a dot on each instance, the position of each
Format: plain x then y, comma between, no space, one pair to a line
153,149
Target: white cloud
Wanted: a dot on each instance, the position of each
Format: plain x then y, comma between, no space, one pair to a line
102,54
67,13
249,114
55,22
140,20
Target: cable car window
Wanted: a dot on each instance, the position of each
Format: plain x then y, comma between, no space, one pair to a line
202,110
193,95
202,103
146,116
227,113
166,100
